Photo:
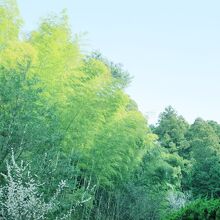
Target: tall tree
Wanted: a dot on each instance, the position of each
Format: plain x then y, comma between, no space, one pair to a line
205,176
171,129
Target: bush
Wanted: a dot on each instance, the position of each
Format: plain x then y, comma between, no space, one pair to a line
199,209
20,196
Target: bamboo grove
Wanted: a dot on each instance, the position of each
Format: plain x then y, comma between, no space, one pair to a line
73,144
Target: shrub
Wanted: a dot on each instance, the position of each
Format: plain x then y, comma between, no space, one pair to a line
199,209
20,196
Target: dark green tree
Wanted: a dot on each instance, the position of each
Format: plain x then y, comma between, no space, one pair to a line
205,174
171,129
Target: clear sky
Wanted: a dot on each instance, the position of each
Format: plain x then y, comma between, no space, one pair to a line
171,48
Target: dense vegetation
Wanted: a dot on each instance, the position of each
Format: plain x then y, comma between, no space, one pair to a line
73,144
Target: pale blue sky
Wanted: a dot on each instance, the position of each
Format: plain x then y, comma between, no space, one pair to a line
172,48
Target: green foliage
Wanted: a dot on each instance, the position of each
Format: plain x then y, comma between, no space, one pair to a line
20,197
67,114
171,130
121,76
10,22
199,209
205,174
172,135
26,122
